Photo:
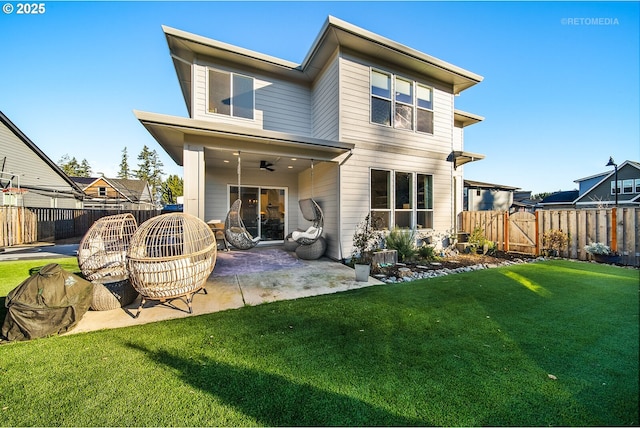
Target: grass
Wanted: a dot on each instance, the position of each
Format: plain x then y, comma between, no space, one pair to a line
470,349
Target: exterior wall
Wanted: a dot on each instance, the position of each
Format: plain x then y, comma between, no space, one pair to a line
325,102
217,184
33,171
355,103
355,184
279,105
325,192
488,200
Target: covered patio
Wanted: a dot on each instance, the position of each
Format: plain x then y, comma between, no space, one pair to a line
240,278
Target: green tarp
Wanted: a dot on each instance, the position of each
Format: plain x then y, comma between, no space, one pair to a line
51,301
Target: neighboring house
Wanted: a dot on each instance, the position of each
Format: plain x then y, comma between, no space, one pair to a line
115,193
559,200
28,177
375,119
479,196
600,190
522,202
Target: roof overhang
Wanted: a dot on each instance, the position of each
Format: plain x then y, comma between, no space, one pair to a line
186,48
173,132
459,157
465,119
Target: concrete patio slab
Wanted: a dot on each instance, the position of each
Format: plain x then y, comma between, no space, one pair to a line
231,291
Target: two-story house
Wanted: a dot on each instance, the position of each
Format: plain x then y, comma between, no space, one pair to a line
364,125
115,193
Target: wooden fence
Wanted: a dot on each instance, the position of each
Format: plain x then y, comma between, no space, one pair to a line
615,227
27,225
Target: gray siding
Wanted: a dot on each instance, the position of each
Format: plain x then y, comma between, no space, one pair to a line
33,171
325,104
355,101
279,105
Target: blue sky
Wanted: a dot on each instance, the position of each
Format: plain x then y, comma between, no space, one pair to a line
560,91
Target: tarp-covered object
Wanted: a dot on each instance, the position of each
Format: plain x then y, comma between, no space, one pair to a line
51,301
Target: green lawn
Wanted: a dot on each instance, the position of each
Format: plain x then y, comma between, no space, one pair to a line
470,349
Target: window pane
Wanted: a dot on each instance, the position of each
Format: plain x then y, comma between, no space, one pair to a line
425,121
627,186
404,190
380,219
380,84
380,194
425,219
404,91
219,92
242,96
425,192
403,219
425,97
380,111
404,117
637,185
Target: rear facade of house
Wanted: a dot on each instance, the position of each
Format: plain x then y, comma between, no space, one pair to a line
363,125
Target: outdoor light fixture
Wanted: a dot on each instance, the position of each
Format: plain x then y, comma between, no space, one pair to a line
615,166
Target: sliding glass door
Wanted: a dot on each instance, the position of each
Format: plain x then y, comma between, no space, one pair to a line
263,211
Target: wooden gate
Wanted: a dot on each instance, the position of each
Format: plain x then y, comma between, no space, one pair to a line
522,233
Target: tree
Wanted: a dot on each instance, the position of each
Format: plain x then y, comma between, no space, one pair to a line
73,168
150,170
124,172
172,187
541,196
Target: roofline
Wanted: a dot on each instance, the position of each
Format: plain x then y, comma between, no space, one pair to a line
466,118
337,23
22,136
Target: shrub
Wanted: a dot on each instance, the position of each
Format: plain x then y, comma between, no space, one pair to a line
403,241
598,248
478,242
554,240
427,252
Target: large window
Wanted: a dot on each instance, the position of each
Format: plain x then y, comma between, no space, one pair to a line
410,102
402,199
230,94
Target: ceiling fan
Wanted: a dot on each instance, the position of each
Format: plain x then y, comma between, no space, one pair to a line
264,165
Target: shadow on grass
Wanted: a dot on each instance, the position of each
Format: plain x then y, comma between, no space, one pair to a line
273,400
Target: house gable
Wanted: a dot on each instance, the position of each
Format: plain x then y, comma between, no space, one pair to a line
600,192
24,165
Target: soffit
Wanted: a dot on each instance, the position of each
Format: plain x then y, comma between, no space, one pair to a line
219,140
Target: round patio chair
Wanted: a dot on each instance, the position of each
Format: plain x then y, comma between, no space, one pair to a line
171,256
103,249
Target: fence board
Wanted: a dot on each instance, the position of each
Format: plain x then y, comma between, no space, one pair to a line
582,225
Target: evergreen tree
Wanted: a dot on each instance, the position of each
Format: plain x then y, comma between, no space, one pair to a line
150,170
73,168
124,172
172,187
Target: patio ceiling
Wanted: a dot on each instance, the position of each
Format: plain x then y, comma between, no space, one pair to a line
221,140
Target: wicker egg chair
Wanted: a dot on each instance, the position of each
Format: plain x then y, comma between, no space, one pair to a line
103,249
171,256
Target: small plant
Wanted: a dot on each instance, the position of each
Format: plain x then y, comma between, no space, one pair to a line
478,242
366,238
554,240
427,252
403,241
598,248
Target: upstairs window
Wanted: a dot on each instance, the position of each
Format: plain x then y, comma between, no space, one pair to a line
230,94
102,191
380,98
401,103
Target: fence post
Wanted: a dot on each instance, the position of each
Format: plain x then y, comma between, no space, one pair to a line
537,215
506,230
614,230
